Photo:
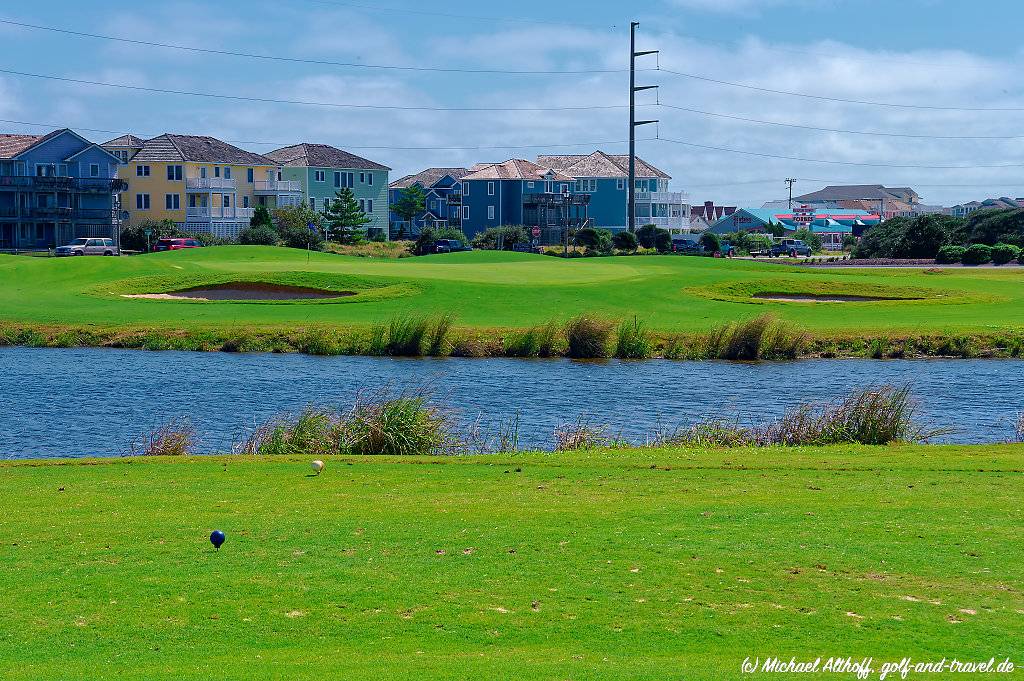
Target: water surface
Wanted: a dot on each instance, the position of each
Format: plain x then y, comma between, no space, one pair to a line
87,402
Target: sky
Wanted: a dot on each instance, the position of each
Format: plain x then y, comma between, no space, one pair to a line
937,56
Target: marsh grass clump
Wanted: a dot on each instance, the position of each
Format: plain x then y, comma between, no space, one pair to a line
581,435
176,437
402,425
587,337
869,416
406,335
1018,428
439,341
634,340
763,337
538,341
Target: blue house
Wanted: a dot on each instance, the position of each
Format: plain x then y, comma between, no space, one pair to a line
519,192
443,190
604,177
55,188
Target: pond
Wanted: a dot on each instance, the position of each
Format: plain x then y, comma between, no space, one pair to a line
94,402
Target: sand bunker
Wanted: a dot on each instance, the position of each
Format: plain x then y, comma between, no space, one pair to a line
244,291
813,298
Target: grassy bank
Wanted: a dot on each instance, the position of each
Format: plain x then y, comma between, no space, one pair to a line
628,564
493,298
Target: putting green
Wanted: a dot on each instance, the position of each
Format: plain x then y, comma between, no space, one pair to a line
499,290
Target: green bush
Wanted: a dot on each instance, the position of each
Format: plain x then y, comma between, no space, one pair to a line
133,237
977,254
663,241
1004,253
260,235
950,254
710,242
625,241
207,239
505,235
634,340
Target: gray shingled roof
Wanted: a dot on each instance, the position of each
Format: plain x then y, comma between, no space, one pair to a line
600,164
130,141
13,145
849,192
198,148
428,177
308,155
516,169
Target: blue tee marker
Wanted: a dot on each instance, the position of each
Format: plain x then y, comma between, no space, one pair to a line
217,538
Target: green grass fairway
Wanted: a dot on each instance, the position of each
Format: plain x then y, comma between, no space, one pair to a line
641,564
502,290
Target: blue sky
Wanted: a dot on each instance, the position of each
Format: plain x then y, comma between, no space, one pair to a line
929,52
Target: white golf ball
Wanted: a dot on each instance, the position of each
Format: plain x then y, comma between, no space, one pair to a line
318,466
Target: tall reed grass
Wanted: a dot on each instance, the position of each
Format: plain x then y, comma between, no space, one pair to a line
538,341
588,337
634,340
176,437
763,337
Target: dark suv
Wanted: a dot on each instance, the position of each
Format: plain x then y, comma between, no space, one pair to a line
790,247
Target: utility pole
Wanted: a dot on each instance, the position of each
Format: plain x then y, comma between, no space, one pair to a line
634,123
790,181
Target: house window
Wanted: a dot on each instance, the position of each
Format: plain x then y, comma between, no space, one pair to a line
620,184
465,212
490,189
245,199
173,173
172,201
202,172
369,178
142,201
142,171
529,185
319,175
362,205
249,175
465,189
490,212
369,205
216,171
312,203
362,178
94,170
227,200
227,172
549,187
337,180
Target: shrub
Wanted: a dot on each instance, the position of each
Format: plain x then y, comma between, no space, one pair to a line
647,234
1004,253
663,241
507,236
763,337
133,237
710,242
634,341
625,241
580,435
174,438
208,239
424,243
260,235
948,255
977,254
588,337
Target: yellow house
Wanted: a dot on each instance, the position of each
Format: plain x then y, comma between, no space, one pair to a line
200,183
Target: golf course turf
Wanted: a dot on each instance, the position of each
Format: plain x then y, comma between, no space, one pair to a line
605,564
85,301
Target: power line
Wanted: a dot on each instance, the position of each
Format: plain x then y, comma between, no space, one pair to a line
837,130
347,146
269,100
841,163
300,60
805,95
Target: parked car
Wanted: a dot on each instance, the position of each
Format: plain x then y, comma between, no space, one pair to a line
87,246
450,246
790,247
173,244
687,246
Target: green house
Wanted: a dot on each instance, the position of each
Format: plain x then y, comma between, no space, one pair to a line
322,170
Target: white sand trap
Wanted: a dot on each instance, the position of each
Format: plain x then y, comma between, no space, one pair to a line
246,291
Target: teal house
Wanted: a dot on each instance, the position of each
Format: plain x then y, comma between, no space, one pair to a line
322,170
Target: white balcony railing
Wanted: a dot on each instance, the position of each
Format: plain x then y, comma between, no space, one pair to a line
678,222
218,213
278,186
662,197
206,184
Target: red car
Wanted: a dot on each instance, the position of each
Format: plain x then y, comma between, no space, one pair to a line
168,244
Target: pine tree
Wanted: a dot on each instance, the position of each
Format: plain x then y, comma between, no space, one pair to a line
344,216
411,202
